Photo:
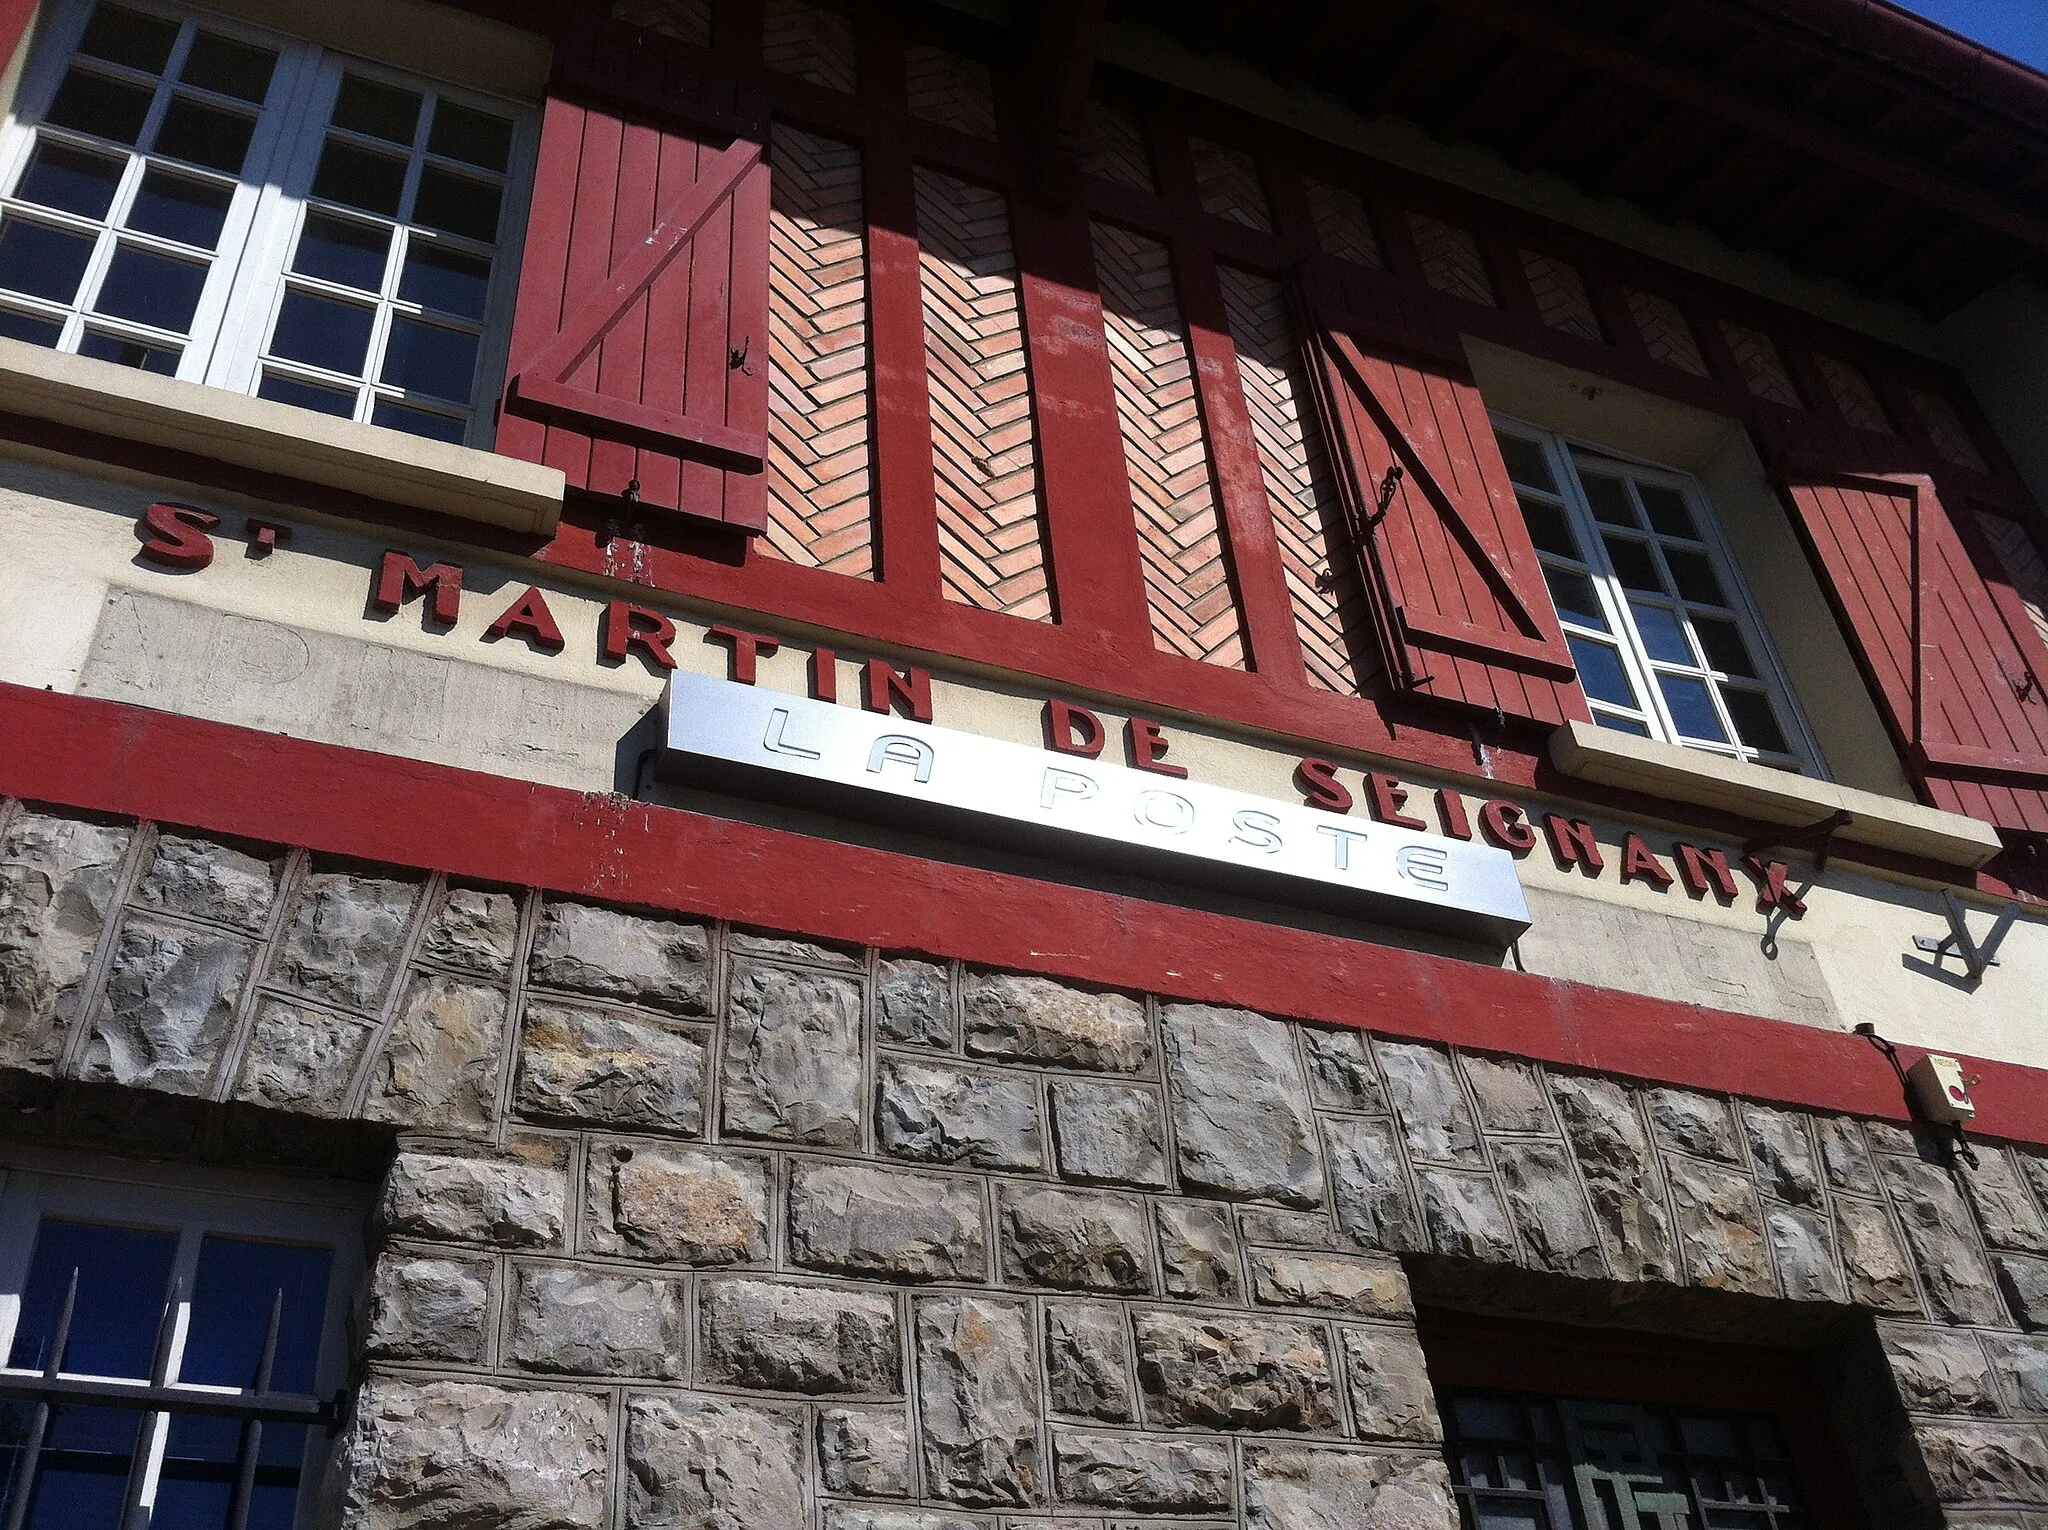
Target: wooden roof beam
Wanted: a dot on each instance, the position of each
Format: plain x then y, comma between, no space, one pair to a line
1060,66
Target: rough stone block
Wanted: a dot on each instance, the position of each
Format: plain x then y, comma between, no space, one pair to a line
1198,1256
428,1309
1073,1240
1241,1113
1287,1229
2021,1366
1941,1234
1548,1208
886,1223
791,1338
1938,1371
932,1113
610,955
978,1401
843,1517
513,1202
169,1004
439,1067
2005,1211
701,1463
1138,1475
914,1003
1391,1395
1369,1187
1803,1254
579,1064
342,941
1872,1257
1233,1373
1290,1487
301,1058
1341,1075
577,1321
1509,1095
1435,1119
1620,1172
1985,1463
1844,1157
204,880
865,1452
2025,1283
1037,1020
58,878
458,1454
1108,1133
792,1056
789,948
1785,1163
1359,1285
1699,1124
1720,1228
1465,1216
473,931
2033,1169
677,1204
1085,1364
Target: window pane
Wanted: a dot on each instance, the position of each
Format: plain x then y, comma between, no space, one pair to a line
1663,637
378,110
178,207
418,422
122,36
322,332
457,204
161,359
1573,596
92,103
1527,463
205,135
1692,709
1510,1516
82,1478
355,177
424,358
1755,722
475,137
232,68
1667,511
1621,724
151,289
1725,650
42,261
456,283
1549,528
1694,576
1609,499
1600,672
343,250
21,326
123,1276
289,390
77,182
1633,565
197,1484
231,1300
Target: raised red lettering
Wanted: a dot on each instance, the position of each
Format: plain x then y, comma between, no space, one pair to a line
1062,718
824,675
180,537
1385,798
627,627
1320,786
1148,749
1450,809
529,615
1572,841
399,579
1639,863
1705,871
1501,823
1771,891
885,687
747,647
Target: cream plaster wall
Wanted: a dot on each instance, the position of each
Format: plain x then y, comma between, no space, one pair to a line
287,643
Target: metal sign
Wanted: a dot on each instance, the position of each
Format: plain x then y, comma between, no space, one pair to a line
741,738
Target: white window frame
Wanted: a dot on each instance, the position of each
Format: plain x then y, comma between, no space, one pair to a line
231,327
1653,715
192,1204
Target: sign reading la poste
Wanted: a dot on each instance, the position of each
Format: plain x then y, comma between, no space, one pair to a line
721,733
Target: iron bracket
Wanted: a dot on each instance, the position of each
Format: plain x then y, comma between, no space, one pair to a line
1958,941
1818,837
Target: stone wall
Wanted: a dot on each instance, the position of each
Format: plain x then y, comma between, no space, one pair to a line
694,1226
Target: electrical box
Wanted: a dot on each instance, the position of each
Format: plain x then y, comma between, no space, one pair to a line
1943,1092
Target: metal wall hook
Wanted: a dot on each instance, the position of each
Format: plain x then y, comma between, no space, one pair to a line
1958,941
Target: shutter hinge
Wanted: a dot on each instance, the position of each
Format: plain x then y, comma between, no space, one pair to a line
736,356
1384,496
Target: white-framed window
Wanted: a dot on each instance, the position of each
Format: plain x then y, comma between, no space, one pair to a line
210,201
1667,642
172,1355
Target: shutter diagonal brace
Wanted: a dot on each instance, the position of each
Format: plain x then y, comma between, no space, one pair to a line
1537,649
540,387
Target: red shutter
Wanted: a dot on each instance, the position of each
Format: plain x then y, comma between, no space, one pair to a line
1460,604
1950,654
639,361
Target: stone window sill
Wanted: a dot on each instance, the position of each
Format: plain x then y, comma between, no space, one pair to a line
277,438
1592,753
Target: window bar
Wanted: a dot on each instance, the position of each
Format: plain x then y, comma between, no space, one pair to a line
252,1429
31,1455
159,1375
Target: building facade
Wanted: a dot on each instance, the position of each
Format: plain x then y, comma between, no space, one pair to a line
772,765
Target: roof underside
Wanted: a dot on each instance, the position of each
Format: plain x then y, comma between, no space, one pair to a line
1844,136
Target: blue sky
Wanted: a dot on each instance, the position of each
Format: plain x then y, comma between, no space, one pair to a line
2015,27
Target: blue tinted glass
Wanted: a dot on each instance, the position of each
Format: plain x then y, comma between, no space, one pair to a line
92,103
82,1478
457,204
289,390
323,332
1725,648
42,261
1667,510
1633,565
231,1301
1600,672
445,279
161,359
418,422
178,207
124,1274
1692,709
1661,633
343,251
424,358
197,1484
21,326
151,289
358,177
205,135
1621,724
1755,721
1573,596
1694,576
78,182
